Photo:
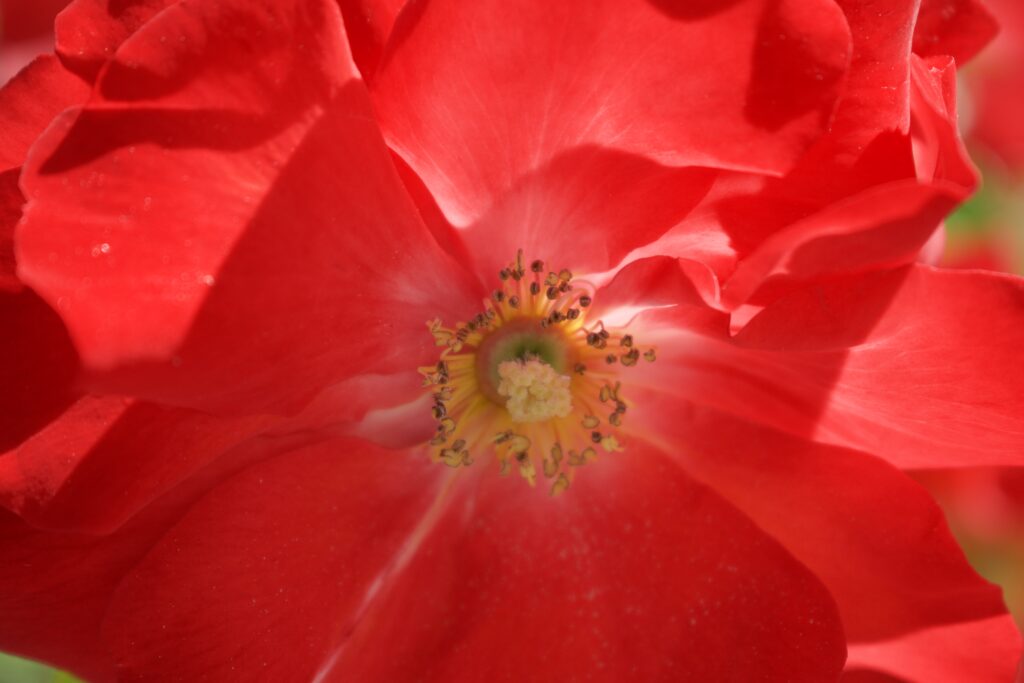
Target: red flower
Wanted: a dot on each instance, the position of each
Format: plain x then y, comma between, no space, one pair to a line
219,452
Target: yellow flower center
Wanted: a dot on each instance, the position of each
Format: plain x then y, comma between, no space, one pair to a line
528,381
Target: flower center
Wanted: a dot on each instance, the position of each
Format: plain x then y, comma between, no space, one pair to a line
527,381
535,392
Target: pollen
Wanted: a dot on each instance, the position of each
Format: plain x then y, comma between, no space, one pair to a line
535,392
528,384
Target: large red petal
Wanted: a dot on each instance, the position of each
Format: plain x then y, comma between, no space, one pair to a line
873,536
586,210
983,651
251,242
924,369
104,458
58,586
267,574
636,573
476,95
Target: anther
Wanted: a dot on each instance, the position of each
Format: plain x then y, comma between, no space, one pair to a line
537,266
649,355
552,293
572,313
498,295
534,288
564,275
579,368
513,301
504,274
610,358
590,421
627,341
560,485
585,301
595,437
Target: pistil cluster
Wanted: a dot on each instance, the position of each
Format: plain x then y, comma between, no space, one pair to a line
527,380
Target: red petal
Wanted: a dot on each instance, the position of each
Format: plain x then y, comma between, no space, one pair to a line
883,222
267,574
873,536
368,25
55,591
58,586
673,82
37,367
958,28
635,573
11,204
26,20
266,177
586,210
105,458
924,369
984,651
30,101
89,32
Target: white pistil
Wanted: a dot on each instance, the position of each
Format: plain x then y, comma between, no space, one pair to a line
535,392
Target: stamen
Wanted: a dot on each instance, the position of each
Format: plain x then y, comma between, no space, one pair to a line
525,377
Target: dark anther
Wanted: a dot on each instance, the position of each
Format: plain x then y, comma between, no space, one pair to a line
593,339
572,313
595,437
627,341
564,287
535,288
498,295
504,274
585,301
620,407
580,368
537,266
439,411
513,301
610,358
552,293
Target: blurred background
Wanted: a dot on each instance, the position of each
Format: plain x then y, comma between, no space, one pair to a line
985,507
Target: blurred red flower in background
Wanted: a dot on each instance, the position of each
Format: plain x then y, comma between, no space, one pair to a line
216,461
